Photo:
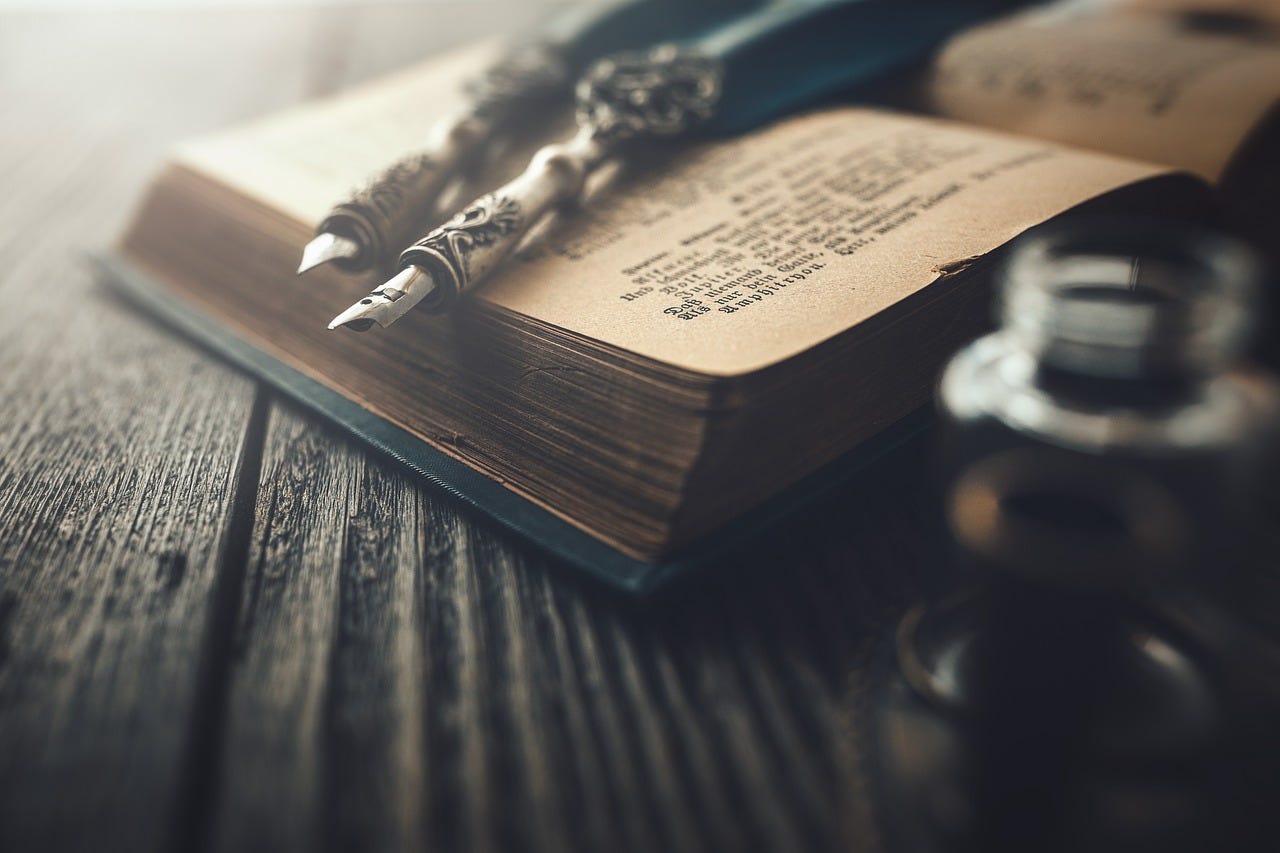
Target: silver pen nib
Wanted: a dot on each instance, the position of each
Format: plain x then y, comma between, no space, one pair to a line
389,302
327,247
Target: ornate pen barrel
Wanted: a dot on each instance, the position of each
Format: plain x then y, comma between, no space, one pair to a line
482,235
389,212
659,93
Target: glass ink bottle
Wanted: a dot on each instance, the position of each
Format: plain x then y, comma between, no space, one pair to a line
1099,453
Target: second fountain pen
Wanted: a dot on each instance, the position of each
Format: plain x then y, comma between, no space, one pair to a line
761,65
366,230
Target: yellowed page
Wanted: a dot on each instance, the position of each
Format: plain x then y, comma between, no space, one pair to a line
1138,86
751,251
738,254
302,160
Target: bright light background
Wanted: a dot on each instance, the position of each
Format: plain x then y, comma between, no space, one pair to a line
170,4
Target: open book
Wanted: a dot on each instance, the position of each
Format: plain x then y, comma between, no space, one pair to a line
705,333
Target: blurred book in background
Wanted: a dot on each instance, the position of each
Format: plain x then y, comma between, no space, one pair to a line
715,331
1152,87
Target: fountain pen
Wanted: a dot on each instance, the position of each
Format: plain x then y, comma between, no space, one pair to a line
758,66
367,229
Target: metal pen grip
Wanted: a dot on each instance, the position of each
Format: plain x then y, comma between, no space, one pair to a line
663,92
383,215
482,235
387,213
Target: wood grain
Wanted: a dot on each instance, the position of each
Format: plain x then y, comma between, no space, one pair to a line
224,626
326,658
119,454
406,675
121,448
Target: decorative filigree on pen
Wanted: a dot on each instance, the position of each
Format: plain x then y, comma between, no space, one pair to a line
530,72
388,191
385,213
664,92
449,249
368,220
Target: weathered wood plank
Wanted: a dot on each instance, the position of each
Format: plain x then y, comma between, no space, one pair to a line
122,450
399,674
519,708
119,454
322,741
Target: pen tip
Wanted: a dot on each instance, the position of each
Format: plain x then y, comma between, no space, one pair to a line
388,302
327,247
359,325
356,318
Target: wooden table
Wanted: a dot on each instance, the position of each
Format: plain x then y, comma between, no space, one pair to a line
223,625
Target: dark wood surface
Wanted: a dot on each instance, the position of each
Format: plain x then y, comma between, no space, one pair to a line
224,626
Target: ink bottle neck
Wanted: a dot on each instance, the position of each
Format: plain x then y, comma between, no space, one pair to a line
1129,306
1114,336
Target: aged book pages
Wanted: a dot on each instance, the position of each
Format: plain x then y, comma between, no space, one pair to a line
748,252
301,161
741,253
709,328
1142,86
